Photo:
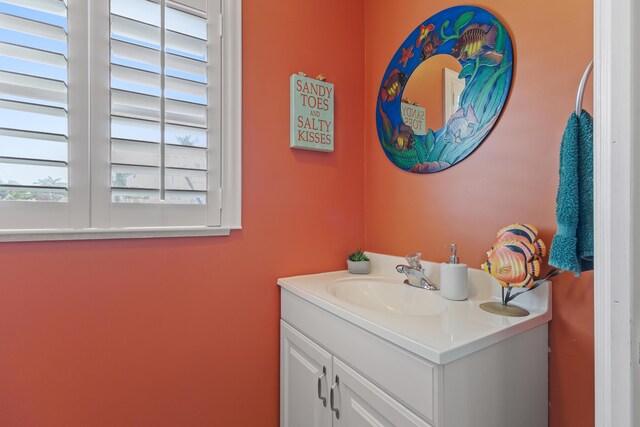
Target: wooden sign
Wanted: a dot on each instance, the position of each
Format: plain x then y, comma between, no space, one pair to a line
312,126
414,116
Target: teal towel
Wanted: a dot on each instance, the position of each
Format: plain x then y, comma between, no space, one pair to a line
572,246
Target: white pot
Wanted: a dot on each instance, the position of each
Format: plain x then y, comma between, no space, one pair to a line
359,267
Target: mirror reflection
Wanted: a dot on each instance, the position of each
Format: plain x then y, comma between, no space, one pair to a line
432,94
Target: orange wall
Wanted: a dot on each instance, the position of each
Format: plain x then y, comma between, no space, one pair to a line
512,177
184,332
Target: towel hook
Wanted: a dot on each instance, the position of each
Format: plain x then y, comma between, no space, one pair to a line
583,83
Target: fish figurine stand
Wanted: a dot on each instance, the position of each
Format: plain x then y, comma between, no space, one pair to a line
504,309
515,261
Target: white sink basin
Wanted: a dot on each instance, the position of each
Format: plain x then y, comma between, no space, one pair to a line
387,296
418,320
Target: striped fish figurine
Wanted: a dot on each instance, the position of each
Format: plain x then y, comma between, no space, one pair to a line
514,263
524,233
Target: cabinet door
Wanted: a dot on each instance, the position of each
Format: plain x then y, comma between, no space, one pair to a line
305,372
359,403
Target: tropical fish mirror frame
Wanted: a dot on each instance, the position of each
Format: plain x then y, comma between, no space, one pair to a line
482,46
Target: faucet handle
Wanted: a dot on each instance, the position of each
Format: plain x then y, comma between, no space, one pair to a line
413,259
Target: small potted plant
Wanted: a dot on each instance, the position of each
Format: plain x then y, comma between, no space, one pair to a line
358,263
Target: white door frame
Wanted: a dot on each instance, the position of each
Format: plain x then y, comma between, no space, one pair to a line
616,347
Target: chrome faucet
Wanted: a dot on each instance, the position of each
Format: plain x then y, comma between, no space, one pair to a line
415,274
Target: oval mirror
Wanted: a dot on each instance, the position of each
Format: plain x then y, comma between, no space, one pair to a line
444,89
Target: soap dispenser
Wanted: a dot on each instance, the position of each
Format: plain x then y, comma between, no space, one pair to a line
454,278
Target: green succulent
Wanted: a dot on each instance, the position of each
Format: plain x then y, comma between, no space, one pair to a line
358,255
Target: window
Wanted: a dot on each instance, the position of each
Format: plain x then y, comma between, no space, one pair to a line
119,117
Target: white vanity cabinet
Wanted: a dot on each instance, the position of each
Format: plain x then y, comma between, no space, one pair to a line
319,390
361,403
396,356
305,372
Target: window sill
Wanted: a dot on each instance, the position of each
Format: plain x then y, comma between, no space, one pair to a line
115,233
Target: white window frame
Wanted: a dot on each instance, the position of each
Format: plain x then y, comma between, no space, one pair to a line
89,192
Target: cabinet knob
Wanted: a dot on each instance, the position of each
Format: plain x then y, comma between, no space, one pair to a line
331,397
320,378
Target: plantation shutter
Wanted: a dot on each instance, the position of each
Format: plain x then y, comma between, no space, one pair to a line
35,145
165,97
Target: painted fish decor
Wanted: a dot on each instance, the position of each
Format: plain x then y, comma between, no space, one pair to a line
424,32
461,125
402,139
430,47
393,85
515,257
474,40
482,47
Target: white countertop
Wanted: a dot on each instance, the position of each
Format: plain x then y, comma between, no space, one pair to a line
461,329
